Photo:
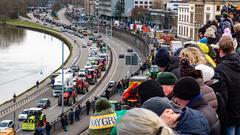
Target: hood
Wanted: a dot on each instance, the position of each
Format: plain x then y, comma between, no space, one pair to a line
192,122
232,61
174,63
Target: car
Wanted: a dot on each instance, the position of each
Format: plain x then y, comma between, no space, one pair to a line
44,103
6,124
75,68
121,55
88,66
84,46
84,28
82,71
112,84
129,50
80,35
95,31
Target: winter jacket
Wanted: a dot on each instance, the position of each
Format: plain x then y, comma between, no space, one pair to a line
208,94
229,70
173,66
192,122
198,103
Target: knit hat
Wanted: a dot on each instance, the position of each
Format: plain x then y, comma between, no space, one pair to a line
149,89
166,78
104,118
162,57
102,104
186,69
203,47
207,72
186,88
159,104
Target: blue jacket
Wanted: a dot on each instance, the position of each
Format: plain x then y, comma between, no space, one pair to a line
192,122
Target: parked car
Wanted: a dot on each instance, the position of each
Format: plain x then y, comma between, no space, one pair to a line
121,55
6,124
112,84
44,103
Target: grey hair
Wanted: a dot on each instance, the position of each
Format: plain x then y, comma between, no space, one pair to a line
140,121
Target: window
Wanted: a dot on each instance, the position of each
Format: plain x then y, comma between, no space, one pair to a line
150,2
140,6
145,2
192,7
141,2
150,6
191,18
136,2
136,6
208,8
145,6
218,8
207,18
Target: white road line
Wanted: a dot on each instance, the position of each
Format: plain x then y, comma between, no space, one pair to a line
18,130
52,107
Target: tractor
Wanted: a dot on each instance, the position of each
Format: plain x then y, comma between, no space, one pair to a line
98,70
69,95
102,65
81,86
91,76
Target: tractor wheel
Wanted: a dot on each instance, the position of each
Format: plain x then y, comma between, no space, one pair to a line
87,89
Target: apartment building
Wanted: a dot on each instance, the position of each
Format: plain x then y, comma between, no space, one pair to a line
143,3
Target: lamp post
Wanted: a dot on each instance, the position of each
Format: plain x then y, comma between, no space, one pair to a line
62,77
14,113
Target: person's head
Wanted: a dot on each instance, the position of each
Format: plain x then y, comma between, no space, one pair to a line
207,72
194,55
226,46
185,69
185,90
236,28
162,58
140,121
102,104
167,80
163,108
149,89
214,22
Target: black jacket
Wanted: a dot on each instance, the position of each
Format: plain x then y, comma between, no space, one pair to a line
173,66
229,70
198,103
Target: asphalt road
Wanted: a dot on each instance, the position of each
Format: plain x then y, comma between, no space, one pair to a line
118,71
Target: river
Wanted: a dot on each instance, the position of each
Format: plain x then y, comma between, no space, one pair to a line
25,57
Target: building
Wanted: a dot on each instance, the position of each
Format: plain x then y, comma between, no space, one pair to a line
173,5
143,3
107,8
194,14
89,7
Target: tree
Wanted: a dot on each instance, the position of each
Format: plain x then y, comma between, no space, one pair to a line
158,4
139,13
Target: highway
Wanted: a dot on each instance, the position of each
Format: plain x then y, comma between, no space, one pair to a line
118,71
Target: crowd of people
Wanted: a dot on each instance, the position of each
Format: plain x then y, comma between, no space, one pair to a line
195,93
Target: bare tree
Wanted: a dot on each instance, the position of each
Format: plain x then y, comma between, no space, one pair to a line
139,13
158,4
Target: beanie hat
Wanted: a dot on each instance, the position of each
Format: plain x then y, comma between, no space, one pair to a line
159,104
207,72
162,57
102,104
166,78
203,47
103,119
149,89
186,69
186,88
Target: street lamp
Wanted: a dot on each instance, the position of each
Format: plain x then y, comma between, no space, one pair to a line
62,77
14,113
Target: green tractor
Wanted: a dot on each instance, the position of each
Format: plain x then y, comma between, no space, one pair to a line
153,71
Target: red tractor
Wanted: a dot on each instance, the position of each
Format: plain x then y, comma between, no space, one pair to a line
91,76
81,86
98,70
69,95
102,65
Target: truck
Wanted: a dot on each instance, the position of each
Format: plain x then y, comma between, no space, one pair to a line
57,86
130,95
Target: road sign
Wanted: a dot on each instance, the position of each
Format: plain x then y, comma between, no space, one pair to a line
131,59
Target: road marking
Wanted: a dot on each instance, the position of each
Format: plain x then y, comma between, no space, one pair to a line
52,107
18,130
